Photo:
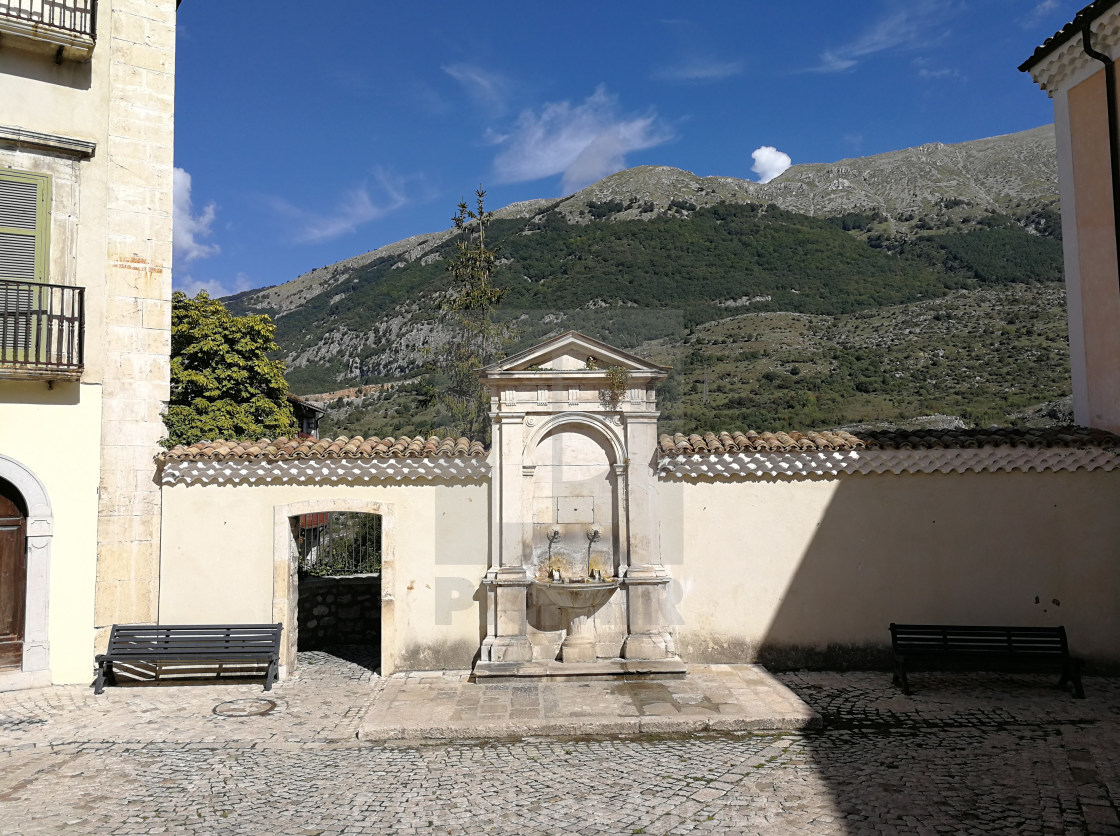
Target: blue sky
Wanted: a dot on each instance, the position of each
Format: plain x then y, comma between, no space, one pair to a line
307,133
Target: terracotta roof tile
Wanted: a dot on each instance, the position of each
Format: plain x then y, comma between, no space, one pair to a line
781,442
1083,18
327,448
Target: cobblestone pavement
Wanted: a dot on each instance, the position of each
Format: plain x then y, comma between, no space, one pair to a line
968,753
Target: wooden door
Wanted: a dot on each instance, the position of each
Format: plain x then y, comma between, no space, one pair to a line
13,581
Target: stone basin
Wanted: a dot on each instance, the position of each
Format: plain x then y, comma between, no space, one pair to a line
577,596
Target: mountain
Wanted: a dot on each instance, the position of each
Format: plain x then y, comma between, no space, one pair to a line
661,260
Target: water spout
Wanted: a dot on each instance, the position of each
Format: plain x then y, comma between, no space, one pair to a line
553,536
593,535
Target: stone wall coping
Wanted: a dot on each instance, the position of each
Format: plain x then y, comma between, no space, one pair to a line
324,471
753,465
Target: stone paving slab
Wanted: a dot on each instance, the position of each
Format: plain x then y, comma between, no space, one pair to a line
448,705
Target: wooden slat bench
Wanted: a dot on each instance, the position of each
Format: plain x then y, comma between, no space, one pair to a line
202,643
981,646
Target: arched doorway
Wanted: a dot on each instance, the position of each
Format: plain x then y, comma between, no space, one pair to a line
22,488
288,520
339,580
13,575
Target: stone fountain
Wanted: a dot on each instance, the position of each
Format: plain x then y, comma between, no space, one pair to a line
576,585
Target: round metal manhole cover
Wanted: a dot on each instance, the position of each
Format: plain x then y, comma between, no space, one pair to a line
244,708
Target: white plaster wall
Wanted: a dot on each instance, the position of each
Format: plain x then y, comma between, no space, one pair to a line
794,566
55,434
217,562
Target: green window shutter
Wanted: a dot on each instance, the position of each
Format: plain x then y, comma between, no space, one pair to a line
25,212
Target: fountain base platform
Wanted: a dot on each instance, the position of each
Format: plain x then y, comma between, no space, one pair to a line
672,668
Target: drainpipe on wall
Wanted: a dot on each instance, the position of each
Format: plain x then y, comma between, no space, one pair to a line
1113,130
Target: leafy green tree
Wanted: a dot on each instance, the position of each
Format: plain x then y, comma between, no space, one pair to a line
468,309
223,385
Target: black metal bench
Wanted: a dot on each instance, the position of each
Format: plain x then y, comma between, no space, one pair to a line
1010,646
186,643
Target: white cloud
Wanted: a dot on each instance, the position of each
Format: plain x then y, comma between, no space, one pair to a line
487,88
906,27
355,208
769,162
584,142
189,228
215,287
699,68
1040,12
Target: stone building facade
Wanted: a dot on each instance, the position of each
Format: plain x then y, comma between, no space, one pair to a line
1075,67
86,169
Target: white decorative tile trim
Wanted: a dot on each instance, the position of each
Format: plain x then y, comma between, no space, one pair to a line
1070,61
324,471
938,460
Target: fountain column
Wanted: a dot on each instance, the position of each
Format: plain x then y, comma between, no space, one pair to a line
646,581
507,582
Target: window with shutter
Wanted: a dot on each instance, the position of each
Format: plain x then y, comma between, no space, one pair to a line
25,207
24,256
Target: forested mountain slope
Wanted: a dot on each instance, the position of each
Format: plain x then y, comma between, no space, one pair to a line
949,254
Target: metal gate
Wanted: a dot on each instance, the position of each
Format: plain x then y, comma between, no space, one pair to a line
336,543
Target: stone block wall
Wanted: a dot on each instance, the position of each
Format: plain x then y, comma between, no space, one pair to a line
135,339
336,611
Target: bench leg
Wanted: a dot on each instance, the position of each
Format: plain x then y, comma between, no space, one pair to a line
99,681
900,677
1071,672
270,676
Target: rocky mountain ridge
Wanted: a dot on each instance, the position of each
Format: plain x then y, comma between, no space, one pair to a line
991,174
758,294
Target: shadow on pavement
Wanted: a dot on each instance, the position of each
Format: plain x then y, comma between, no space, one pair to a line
967,753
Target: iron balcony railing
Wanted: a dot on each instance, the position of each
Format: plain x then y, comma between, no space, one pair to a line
42,330
77,16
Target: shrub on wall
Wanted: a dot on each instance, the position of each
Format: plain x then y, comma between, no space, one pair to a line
223,384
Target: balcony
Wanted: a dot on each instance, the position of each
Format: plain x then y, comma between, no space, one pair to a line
42,331
68,28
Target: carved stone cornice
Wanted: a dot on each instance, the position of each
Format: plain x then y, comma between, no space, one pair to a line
70,146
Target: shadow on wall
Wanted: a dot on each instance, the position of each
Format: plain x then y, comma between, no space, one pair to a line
973,548
967,750
77,75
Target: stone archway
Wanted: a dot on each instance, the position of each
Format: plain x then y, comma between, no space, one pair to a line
285,583
35,669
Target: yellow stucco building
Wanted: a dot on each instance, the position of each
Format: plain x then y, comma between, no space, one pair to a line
1075,67
86,170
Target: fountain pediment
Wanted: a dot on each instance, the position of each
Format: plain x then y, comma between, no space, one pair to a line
573,353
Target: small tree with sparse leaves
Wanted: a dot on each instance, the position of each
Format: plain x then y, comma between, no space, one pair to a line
468,310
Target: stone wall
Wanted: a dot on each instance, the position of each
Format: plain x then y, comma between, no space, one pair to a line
335,611
130,317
